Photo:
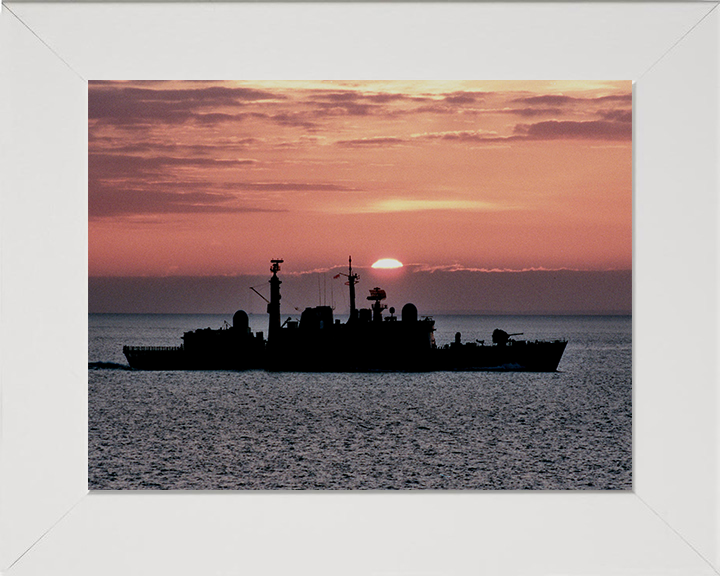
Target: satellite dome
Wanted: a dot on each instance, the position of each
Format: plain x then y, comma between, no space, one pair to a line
409,313
241,321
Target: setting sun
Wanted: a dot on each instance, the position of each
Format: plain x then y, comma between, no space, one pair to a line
387,263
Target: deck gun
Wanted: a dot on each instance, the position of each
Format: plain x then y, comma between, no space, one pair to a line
500,337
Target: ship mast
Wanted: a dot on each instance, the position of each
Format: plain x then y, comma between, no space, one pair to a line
352,280
273,306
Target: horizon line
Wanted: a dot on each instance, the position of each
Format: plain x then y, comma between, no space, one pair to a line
445,313
429,270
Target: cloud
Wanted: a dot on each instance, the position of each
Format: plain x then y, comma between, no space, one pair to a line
132,105
124,165
549,130
417,205
385,141
391,97
380,141
294,119
555,103
614,98
99,145
236,141
460,135
439,108
333,103
467,111
591,130
288,187
561,99
339,96
348,109
617,115
120,185
132,195
462,97
463,268
109,202
529,112
549,99
360,96
412,205
532,292
218,117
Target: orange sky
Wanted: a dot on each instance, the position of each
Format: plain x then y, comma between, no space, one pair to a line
216,178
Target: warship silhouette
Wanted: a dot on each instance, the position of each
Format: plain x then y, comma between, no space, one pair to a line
367,342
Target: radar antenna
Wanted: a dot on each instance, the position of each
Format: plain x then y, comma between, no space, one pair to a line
275,268
376,295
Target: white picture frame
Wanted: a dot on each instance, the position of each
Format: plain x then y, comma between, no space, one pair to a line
50,524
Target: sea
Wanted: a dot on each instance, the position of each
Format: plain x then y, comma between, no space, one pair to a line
254,430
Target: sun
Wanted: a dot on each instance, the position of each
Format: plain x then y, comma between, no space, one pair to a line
387,263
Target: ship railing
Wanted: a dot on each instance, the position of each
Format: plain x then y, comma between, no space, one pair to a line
152,348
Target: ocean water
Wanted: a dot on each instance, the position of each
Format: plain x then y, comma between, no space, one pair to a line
570,430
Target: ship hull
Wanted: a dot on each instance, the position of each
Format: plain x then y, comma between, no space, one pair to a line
145,358
333,356
538,356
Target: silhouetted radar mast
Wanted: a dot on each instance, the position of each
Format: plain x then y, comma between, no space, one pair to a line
352,279
273,306
377,294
